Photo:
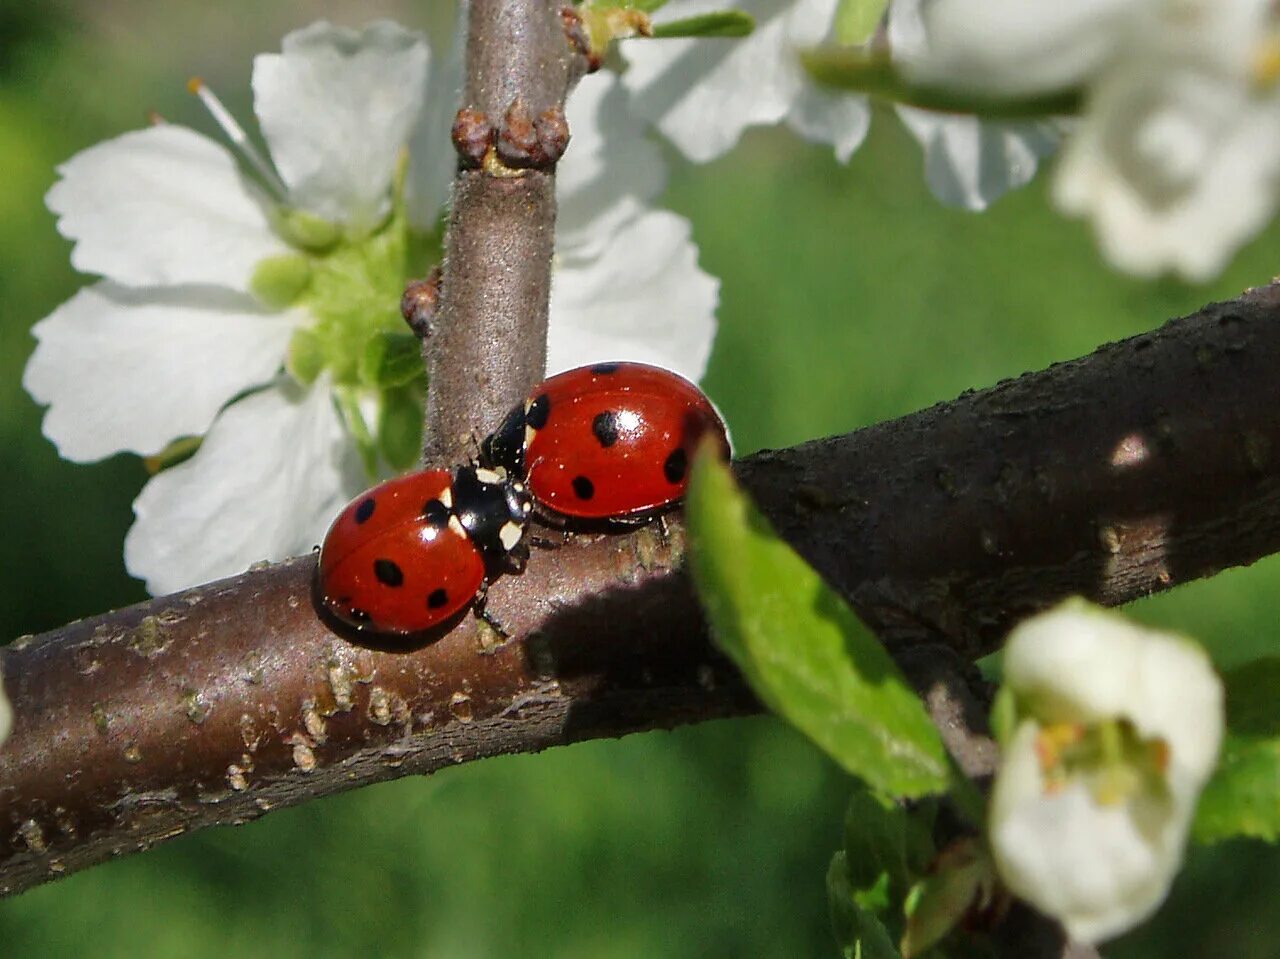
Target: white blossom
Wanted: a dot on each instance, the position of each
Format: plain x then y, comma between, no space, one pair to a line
704,93
235,307
969,162
1176,158
1118,728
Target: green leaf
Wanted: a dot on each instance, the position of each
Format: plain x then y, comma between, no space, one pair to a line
801,648
872,72
1243,797
1253,697
400,426
860,934
390,359
723,23
965,878
883,838
856,20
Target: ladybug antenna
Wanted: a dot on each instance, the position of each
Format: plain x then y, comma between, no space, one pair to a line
239,139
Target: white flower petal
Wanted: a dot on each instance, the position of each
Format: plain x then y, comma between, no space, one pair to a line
432,158
1177,169
611,166
702,93
971,163
1014,47
840,119
643,298
1099,869
336,106
162,206
126,369
272,473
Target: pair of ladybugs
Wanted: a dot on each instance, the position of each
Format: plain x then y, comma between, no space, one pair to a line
606,442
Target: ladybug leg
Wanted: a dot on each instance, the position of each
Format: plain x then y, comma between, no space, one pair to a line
480,606
664,530
542,542
518,558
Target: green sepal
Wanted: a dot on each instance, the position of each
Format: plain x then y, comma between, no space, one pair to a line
800,646
722,23
178,451
400,425
390,359
306,230
1004,715
304,359
858,931
964,879
874,73
644,6
279,281
857,20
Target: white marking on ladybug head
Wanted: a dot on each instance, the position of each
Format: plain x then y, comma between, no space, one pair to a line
446,497
455,524
510,535
490,477
529,434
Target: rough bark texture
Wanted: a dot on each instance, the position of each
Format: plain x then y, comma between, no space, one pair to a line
1149,463
488,343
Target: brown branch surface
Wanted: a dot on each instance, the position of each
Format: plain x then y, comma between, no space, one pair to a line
488,345
1149,463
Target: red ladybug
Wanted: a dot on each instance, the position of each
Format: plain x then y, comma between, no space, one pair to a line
610,441
410,553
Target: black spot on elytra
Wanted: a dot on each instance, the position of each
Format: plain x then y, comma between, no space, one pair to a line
538,411
605,428
604,369
435,513
437,598
583,488
388,572
365,509
676,465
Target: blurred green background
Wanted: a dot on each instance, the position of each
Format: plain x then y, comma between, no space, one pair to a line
848,296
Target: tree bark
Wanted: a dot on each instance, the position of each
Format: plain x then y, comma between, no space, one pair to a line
1146,464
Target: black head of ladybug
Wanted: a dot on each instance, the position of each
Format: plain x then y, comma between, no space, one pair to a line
493,508
504,447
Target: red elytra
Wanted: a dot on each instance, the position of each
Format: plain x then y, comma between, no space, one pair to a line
392,561
609,441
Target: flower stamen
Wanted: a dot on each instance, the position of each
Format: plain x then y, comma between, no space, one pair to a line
239,139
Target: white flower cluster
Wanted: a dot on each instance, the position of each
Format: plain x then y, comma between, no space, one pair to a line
703,94
1176,158
233,307
1117,730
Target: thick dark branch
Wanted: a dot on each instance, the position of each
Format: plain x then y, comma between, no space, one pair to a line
488,342
1146,464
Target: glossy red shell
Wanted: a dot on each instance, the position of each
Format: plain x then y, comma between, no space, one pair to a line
617,440
390,565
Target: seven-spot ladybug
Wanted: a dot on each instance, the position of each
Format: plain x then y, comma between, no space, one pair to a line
410,553
610,441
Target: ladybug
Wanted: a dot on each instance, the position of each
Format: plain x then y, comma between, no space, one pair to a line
607,442
410,553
